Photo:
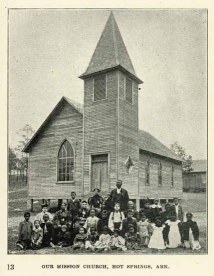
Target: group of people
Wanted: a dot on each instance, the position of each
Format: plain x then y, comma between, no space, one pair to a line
110,223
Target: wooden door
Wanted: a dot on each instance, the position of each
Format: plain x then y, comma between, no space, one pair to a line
99,172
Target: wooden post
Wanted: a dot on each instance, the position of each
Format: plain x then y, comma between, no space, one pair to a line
137,204
59,203
30,204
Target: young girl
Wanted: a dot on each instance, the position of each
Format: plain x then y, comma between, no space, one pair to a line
80,239
37,235
190,233
92,240
117,242
144,230
174,236
91,221
132,239
104,239
115,218
156,240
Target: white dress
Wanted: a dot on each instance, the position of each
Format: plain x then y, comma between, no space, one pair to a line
174,234
156,240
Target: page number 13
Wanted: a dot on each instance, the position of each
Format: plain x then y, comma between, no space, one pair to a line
10,267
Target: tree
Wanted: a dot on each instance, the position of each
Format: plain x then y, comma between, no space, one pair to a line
12,160
181,152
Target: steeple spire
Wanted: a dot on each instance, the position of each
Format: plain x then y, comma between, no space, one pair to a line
110,52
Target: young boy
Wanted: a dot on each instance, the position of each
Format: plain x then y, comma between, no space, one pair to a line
48,232
74,206
190,233
92,239
40,215
25,232
37,236
132,239
127,221
146,210
116,218
131,206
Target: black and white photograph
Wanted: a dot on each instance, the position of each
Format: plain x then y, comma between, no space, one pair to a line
107,131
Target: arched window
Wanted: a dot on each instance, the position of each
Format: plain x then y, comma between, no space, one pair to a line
172,176
159,175
65,162
147,173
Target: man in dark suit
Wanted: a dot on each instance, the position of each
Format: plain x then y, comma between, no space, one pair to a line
119,195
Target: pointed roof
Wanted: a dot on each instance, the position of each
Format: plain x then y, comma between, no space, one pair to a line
110,52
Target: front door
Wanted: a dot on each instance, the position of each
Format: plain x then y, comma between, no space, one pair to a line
99,172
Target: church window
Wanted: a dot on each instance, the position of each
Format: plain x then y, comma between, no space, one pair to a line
147,173
100,88
128,90
172,176
65,162
159,175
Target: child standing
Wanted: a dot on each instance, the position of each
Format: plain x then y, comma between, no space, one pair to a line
92,240
156,240
37,236
48,232
174,234
144,230
190,233
115,218
117,242
91,221
132,239
80,239
25,232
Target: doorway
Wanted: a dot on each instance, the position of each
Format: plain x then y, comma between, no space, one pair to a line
99,172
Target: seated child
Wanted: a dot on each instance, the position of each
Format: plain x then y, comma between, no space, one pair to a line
104,239
117,242
92,239
144,230
132,239
190,233
64,237
48,232
91,221
174,232
37,235
156,241
115,219
103,221
39,216
80,239
127,221
25,232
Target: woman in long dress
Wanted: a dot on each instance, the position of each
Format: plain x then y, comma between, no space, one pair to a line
156,240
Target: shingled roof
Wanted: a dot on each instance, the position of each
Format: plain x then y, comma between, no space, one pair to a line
110,52
149,143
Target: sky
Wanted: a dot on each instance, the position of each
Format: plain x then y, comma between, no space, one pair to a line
50,48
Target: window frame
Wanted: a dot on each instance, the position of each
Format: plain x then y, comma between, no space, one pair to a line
127,78
105,88
160,178
147,173
172,180
73,174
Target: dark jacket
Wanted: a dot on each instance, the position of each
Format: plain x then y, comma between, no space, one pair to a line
101,223
124,198
48,233
186,226
74,207
180,212
125,225
95,201
25,230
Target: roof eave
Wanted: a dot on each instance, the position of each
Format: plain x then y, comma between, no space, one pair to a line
178,159
117,67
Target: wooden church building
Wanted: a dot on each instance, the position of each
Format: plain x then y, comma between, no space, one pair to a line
79,148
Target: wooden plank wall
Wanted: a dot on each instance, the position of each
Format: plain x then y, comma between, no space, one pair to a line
195,180
100,128
153,190
128,137
66,124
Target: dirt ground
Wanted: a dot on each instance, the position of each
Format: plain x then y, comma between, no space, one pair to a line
195,203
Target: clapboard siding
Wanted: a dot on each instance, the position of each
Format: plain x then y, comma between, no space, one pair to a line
65,124
128,136
100,128
153,189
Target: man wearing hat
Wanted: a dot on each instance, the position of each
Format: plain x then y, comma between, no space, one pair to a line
119,195
96,200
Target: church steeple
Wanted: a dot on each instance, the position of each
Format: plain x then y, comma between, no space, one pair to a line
110,53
